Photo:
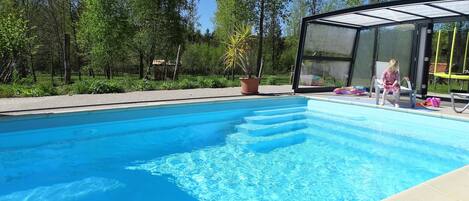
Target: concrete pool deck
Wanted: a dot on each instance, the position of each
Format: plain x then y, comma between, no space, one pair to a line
453,186
89,102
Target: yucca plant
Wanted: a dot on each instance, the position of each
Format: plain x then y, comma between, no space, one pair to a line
237,50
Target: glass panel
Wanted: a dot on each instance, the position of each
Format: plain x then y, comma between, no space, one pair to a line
357,19
320,73
330,41
447,55
396,42
393,15
364,60
425,11
460,6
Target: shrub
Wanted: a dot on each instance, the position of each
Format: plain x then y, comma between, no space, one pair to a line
220,83
142,85
169,86
188,84
24,81
102,87
7,91
205,82
43,90
81,87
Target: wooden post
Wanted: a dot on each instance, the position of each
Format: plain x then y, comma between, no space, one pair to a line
261,36
67,71
259,75
177,64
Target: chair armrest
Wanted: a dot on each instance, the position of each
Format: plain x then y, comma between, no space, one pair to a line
407,81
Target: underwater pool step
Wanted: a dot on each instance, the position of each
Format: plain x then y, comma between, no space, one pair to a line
394,154
272,119
280,111
347,116
386,138
100,133
270,145
267,130
390,143
358,153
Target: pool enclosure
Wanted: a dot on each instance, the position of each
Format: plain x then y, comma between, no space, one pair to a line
342,48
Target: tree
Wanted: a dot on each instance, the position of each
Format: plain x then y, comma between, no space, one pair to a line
192,20
158,30
276,13
14,38
231,14
260,35
298,10
316,6
103,31
30,10
75,6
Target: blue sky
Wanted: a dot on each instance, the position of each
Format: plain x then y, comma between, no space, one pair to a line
206,10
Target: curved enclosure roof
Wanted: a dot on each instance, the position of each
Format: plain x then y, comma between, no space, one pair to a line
394,12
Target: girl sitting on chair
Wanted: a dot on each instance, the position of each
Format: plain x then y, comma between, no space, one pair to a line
391,79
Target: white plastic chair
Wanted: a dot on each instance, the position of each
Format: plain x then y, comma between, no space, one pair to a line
377,84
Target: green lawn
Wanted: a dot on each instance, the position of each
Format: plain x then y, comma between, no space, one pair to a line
443,87
119,84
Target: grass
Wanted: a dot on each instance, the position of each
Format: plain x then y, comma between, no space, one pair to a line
99,85
442,88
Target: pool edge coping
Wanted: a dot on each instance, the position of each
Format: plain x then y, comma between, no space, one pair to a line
139,105
404,110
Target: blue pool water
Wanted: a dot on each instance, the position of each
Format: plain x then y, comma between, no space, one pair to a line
266,149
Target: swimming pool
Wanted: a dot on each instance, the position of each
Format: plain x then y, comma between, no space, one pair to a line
285,148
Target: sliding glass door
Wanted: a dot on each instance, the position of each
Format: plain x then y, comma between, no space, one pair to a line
327,56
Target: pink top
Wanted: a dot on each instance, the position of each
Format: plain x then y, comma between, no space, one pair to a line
389,78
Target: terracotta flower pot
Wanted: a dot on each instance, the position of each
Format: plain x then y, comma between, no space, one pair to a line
249,86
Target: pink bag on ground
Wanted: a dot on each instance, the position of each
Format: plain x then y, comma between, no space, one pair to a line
434,101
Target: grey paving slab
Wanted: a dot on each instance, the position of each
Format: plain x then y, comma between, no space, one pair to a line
52,104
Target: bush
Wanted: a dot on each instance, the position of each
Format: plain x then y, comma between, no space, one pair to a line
7,91
24,81
102,87
37,90
221,83
205,82
188,84
169,86
81,87
44,90
92,87
142,85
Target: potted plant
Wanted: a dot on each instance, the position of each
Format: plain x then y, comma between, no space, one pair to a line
237,56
